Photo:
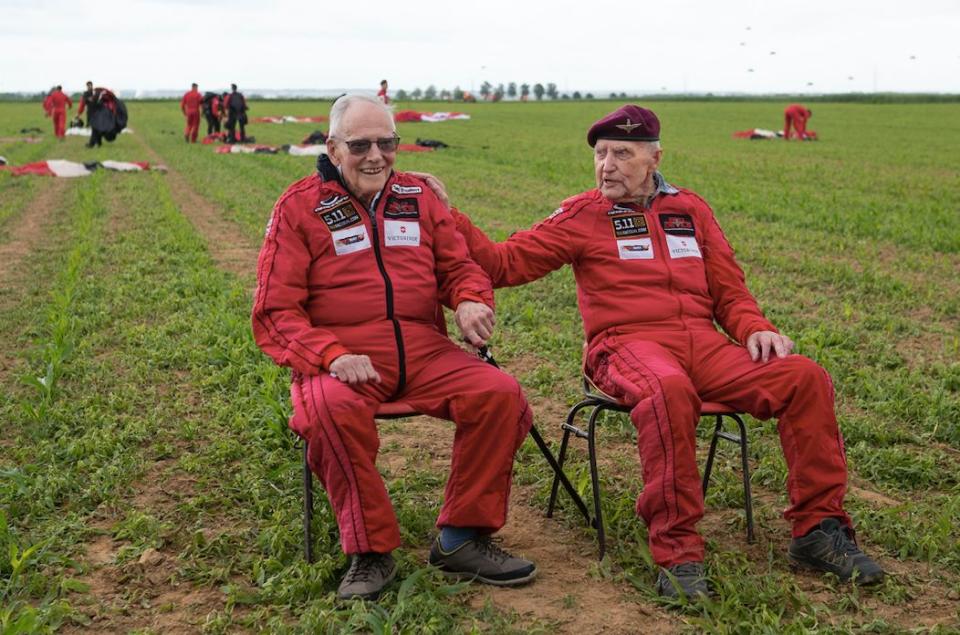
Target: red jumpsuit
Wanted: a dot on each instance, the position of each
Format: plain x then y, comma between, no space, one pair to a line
797,115
190,106
334,277
56,105
651,281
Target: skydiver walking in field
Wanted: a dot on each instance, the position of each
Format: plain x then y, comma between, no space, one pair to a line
190,106
55,106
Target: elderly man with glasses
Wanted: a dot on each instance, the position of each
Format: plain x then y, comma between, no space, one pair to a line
355,264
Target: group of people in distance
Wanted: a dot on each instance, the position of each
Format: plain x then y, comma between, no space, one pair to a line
216,107
57,103
356,262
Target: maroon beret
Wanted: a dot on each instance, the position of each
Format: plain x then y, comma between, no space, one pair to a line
628,123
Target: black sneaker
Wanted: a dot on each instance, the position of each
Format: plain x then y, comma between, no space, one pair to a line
483,560
366,577
687,580
829,548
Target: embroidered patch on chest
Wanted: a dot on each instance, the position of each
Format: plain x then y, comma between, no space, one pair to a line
344,214
347,241
399,233
397,207
683,247
677,224
628,226
635,249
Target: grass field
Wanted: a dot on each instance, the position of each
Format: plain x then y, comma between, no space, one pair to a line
148,483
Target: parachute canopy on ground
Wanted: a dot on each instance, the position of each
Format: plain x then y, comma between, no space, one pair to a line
413,116
72,169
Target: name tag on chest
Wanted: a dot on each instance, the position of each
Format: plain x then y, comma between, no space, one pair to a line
683,246
400,233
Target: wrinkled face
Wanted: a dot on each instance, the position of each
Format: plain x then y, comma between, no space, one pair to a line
624,169
364,174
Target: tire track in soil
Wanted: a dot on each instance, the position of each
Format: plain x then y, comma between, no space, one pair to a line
564,561
28,233
145,593
230,248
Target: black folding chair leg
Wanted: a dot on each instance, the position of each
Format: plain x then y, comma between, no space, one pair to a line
747,495
595,479
307,508
713,449
558,475
561,458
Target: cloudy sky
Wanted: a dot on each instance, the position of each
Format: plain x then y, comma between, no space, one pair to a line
752,46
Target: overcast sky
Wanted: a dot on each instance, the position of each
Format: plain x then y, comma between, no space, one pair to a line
589,45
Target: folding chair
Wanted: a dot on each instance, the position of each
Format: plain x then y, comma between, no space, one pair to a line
599,401
398,410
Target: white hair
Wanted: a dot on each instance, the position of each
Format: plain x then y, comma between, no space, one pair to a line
343,104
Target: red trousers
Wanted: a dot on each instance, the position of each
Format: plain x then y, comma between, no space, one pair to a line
665,375
193,126
490,412
59,123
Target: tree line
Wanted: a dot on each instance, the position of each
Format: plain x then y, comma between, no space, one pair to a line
489,92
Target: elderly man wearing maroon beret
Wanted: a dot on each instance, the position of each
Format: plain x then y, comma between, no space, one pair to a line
654,275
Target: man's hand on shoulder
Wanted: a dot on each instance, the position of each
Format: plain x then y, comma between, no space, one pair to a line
434,184
476,321
760,344
354,369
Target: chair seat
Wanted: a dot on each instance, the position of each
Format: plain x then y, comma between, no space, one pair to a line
395,410
714,408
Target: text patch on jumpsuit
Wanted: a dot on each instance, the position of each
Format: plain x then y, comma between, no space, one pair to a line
348,232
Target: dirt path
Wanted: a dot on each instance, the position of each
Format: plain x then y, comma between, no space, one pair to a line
145,593
569,588
230,248
27,234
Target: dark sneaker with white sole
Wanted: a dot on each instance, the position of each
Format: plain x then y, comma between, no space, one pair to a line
366,577
483,560
830,548
686,580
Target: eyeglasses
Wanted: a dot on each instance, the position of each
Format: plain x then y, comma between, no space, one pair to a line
360,147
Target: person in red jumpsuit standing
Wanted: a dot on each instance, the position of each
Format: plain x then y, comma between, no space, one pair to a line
382,94
654,274
190,106
355,263
56,105
797,116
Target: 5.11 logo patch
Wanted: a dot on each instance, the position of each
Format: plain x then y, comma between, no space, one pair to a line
343,215
629,226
